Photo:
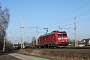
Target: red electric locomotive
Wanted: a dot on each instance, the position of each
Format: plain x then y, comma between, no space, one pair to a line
53,39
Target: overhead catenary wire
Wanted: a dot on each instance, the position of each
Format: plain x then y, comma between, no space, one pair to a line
66,19
78,15
69,12
82,21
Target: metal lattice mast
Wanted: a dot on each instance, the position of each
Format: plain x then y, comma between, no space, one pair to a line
37,35
36,32
21,33
75,32
21,37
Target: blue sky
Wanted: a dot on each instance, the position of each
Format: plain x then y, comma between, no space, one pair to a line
48,14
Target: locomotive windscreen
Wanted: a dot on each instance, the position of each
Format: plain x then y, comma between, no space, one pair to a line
62,34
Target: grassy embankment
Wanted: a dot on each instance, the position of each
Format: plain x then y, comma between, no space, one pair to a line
59,54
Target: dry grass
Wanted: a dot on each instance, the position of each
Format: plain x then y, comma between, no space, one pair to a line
68,54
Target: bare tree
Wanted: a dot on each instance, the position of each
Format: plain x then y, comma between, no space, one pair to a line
4,21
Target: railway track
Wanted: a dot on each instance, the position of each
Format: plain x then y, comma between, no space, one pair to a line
63,47
67,47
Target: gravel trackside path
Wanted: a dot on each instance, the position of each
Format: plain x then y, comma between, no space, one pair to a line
25,57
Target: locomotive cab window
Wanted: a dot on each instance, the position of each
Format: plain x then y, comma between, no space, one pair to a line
62,34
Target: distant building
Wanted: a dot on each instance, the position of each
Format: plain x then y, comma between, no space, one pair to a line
81,43
86,42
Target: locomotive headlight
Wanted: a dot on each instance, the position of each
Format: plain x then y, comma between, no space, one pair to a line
59,38
65,38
